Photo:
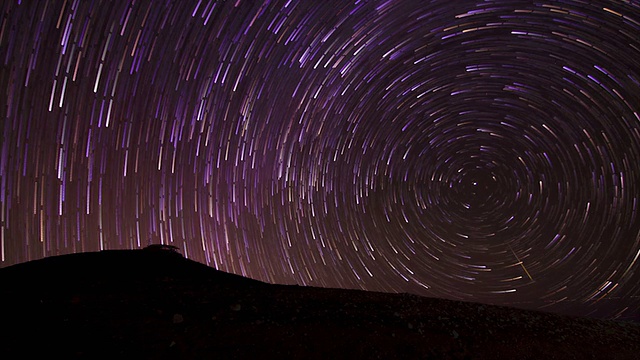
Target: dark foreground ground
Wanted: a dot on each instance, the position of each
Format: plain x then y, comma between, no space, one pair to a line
155,304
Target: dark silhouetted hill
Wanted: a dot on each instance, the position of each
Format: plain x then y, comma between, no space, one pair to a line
155,304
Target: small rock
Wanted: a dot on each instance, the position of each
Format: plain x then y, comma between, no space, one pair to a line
236,307
455,334
177,318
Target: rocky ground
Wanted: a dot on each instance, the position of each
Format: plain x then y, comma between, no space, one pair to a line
155,304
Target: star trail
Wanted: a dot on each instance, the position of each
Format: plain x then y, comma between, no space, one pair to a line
475,150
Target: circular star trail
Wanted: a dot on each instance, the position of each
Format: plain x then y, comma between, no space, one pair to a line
477,150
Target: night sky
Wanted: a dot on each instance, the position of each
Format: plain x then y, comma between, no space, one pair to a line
476,150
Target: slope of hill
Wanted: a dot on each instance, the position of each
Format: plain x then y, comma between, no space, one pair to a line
155,304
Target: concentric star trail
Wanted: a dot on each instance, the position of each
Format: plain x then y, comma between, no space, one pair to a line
432,147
